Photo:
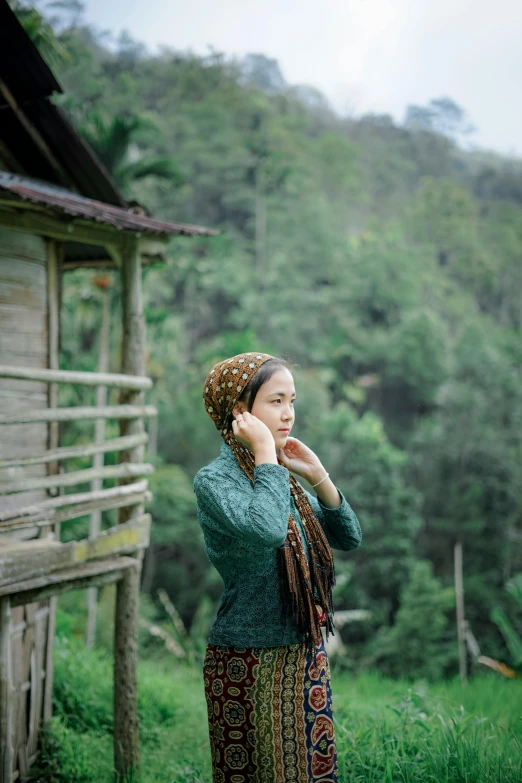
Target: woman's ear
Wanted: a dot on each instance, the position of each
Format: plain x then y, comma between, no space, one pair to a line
239,407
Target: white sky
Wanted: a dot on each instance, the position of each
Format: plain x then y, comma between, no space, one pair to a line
364,55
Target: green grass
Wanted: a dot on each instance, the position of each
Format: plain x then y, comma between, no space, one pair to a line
387,731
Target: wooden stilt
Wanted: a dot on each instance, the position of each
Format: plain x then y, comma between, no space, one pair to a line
126,728
6,695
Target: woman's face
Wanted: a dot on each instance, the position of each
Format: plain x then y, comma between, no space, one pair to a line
274,405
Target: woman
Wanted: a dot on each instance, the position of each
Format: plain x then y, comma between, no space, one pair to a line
266,671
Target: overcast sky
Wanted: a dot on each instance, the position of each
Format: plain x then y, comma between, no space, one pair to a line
364,55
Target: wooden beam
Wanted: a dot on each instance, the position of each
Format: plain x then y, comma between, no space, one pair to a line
87,574
137,382
85,450
21,216
124,469
75,414
23,560
89,263
47,506
37,138
108,263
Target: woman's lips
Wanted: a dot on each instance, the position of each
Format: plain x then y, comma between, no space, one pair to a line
285,429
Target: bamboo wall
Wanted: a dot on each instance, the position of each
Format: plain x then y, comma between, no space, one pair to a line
23,342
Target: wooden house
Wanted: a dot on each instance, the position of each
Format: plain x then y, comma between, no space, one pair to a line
59,209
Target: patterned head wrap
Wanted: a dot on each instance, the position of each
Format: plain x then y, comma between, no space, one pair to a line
301,583
225,384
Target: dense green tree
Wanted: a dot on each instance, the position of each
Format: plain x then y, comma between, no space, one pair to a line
418,645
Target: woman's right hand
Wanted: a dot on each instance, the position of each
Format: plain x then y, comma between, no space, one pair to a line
253,433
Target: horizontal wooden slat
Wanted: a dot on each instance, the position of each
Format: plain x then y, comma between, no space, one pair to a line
135,382
84,450
95,574
75,414
23,560
73,512
103,504
123,470
47,506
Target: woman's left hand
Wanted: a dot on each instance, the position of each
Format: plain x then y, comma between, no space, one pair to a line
301,460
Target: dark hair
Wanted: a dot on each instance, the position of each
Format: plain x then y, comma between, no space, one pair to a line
265,372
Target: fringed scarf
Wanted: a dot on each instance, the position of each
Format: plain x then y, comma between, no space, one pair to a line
298,580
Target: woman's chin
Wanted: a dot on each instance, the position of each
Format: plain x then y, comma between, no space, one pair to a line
281,439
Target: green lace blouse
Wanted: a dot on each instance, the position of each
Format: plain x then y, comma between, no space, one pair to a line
243,526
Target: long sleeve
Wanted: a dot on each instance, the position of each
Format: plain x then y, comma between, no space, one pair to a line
341,526
256,515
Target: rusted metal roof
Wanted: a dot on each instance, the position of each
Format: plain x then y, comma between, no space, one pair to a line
68,203
53,164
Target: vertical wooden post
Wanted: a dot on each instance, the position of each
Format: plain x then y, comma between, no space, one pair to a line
126,727
132,354
461,623
98,459
6,694
54,276
53,326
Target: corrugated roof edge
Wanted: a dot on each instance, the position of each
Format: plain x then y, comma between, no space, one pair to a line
63,200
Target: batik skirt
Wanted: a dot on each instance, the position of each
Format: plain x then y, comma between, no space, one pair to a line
270,715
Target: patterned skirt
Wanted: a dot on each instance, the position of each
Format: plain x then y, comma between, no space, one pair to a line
270,715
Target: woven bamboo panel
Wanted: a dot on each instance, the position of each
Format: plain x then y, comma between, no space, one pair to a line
29,666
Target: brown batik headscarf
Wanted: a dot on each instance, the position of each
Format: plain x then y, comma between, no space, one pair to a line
223,387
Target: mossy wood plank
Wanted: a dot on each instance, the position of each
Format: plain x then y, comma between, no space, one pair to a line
95,574
27,560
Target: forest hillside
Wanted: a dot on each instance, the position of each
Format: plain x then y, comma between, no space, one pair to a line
384,261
